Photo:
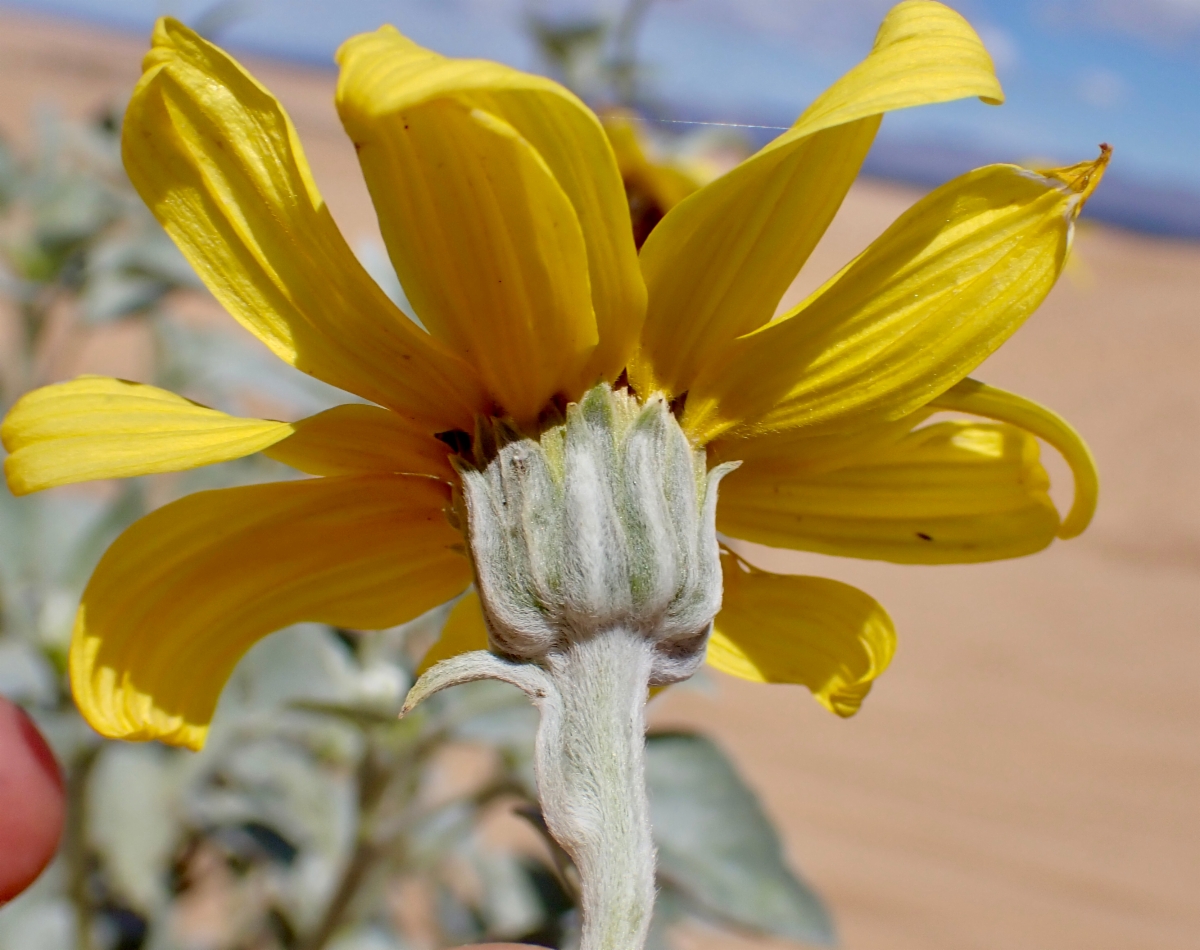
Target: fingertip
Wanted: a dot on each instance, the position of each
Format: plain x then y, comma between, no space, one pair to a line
32,801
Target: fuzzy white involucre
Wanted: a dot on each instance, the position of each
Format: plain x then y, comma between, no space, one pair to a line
607,521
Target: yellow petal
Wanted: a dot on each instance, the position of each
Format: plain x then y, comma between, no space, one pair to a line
385,73
719,263
938,292
361,440
819,633
96,427
805,451
953,492
465,630
217,160
924,52
487,246
982,400
522,240
185,591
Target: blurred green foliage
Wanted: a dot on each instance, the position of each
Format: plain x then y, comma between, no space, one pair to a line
314,817
592,49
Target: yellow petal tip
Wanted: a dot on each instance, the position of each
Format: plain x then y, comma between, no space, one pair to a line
1082,177
846,701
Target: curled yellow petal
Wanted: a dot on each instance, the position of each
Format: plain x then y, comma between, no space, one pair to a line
929,300
184,592
465,630
924,52
215,157
97,427
361,440
816,632
718,264
952,492
979,399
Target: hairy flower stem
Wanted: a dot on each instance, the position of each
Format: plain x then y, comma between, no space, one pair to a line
598,573
590,766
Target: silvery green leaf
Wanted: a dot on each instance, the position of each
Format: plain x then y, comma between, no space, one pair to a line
100,530
42,532
73,209
458,922
70,738
446,829
382,686
38,536
369,937
390,646
26,676
308,884
110,295
152,254
55,618
376,687
15,517
214,367
361,716
279,785
717,847
303,663
494,713
37,921
510,904
131,273
133,823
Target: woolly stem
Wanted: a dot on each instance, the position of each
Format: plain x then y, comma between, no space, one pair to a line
590,763
591,782
598,572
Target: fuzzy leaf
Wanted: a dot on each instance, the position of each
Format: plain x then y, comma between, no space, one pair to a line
134,824
717,846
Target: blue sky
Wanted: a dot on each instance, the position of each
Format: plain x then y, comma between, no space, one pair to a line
1077,72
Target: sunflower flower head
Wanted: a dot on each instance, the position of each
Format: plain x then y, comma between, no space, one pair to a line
549,349
607,521
555,426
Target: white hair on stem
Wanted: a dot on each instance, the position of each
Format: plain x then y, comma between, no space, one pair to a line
598,571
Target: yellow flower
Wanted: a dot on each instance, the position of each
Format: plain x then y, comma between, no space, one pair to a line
502,207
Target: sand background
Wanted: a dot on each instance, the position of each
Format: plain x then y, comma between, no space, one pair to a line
1027,774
